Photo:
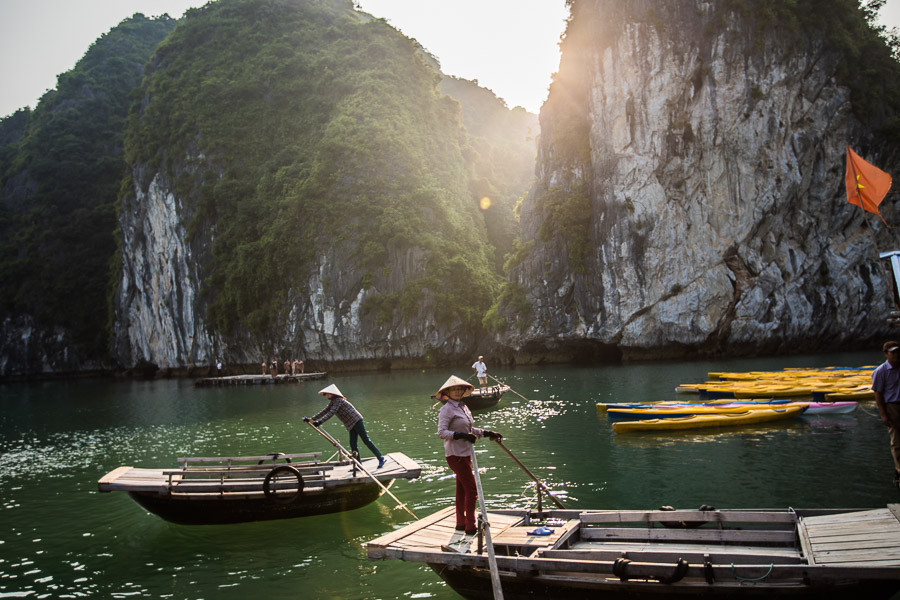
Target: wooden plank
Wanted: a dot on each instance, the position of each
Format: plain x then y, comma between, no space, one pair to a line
773,573
206,459
895,510
705,535
720,516
851,517
805,543
685,548
113,476
662,556
391,538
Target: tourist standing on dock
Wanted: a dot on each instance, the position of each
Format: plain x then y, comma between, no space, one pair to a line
481,371
455,427
264,367
886,385
287,367
350,417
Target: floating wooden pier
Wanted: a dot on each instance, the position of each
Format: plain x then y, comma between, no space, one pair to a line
743,553
256,379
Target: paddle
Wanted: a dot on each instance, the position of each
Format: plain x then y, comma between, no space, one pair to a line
530,474
492,559
510,388
337,445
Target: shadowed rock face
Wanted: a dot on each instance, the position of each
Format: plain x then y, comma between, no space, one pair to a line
714,218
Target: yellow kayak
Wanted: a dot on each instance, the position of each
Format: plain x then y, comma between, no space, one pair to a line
716,420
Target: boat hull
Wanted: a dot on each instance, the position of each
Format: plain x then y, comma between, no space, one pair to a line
484,398
219,510
702,421
476,584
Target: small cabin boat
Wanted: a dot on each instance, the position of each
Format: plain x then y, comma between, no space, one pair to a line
208,491
637,554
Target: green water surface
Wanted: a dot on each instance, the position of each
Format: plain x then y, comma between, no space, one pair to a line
61,538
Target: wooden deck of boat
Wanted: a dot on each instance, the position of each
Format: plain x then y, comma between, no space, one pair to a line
855,541
257,379
866,538
437,532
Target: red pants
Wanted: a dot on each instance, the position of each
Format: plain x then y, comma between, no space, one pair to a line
466,492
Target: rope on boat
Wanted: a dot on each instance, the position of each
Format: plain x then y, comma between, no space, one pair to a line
739,578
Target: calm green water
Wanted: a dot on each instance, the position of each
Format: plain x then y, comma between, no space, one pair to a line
60,538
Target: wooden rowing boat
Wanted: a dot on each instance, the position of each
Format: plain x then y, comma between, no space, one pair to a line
484,398
207,491
657,554
710,420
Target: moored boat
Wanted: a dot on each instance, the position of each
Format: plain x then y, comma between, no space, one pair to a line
207,491
746,417
662,411
637,554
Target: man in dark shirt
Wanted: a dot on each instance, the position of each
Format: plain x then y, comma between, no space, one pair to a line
886,385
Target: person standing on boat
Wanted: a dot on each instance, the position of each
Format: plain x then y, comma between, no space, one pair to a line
350,417
455,427
886,385
481,371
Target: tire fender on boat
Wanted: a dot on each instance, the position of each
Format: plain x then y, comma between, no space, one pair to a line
278,471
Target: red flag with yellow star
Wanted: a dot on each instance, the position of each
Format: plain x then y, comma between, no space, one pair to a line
867,185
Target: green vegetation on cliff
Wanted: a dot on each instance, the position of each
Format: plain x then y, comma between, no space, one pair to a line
319,128
867,53
60,171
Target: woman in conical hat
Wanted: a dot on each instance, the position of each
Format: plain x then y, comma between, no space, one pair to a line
455,427
349,416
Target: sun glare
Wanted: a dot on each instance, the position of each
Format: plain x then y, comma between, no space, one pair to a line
485,203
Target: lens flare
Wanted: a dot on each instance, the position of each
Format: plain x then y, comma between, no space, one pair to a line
485,203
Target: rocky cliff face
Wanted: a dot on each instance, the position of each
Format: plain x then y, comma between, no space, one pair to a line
705,168
327,214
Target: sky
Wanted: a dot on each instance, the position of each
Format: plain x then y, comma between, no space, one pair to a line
509,46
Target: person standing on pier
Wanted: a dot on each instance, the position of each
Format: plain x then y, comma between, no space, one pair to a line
886,385
455,427
350,417
481,371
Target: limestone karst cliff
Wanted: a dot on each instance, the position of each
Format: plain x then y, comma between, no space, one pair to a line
298,186
689,196
60,170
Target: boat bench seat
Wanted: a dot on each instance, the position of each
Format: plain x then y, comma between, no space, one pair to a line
249,471
197,486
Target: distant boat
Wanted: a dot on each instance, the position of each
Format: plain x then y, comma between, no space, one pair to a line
656,554
208,491
711,420
485,397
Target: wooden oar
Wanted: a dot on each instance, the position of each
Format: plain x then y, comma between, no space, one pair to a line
492,559
530,474
337,445
510,388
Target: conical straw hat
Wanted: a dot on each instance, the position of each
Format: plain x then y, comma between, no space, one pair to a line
455,381
331,389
